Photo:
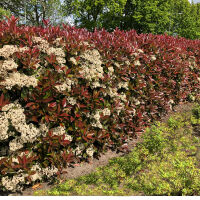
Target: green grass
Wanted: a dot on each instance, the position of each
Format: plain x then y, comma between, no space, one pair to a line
164,163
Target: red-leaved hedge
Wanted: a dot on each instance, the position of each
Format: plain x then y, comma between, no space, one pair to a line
143,77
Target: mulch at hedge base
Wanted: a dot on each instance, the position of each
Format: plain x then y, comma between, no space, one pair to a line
85,168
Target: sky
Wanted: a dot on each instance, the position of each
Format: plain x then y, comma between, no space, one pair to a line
195,1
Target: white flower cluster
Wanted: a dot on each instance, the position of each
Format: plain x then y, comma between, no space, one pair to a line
134,100
137,63
133,112
117,64
192,62
15,144
6,66
49,171
40,172
44,129
91,65
110,71
140,50
73,61
12,184
127,62
112,92
105,111
61,60
14,78
56,51
3,127
23,49
123,85
170,102
97,116
57,41
9,50
15,160
60,55
29,133
90,151
119,108
153,57
19,79
95,84
71,100
43,46
66,85
79,149
59,131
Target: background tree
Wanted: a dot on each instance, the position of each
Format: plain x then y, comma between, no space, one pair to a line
184,19
34,10
4,13
145,16
92,14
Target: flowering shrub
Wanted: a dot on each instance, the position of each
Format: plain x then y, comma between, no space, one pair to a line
70,94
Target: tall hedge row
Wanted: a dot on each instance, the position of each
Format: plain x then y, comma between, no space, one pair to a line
67,94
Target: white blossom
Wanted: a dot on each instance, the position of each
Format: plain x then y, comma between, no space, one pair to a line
71,100
19,79
137,63
123,85
153,57
73,61
91,65
11,184
140,51
90,151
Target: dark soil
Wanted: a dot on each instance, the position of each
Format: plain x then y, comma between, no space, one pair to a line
86,168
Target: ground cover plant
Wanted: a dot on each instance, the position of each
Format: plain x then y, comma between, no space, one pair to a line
166,162
67,94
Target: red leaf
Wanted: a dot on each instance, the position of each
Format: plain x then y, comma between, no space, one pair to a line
1,99
64,114
47,100
85,138
77,115
82,106
72,119
46,118
68,71
34,118
30,104
64,103
53,104
58,108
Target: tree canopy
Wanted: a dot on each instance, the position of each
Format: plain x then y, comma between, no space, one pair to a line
178,17
34,11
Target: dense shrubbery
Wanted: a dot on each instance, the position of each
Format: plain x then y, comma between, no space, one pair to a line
165,162
70,94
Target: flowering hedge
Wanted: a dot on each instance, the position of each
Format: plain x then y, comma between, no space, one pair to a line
68,94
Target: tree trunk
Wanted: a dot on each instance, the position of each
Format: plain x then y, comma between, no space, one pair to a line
37,15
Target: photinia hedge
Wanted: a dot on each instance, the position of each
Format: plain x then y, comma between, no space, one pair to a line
68,94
